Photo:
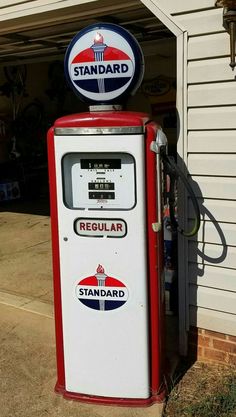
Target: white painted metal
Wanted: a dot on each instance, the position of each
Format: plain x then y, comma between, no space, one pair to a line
202,22
210,254
5,3
173,6
212,94
212,276
209,70
105,346
168,21
45,8
181,104
208,141
213,320
27,5
218,210
212,164
213,299
222,188
218,233
212,118
209,46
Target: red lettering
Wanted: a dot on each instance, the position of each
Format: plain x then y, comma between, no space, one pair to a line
94,226
119,227
82,226
88,226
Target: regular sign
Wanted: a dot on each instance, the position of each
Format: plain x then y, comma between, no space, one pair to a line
104,64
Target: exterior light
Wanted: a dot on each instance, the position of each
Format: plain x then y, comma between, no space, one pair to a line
229,23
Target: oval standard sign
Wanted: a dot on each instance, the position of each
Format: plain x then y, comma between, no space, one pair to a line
101,292
104,64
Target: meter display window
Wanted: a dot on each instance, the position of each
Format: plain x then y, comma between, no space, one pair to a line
99,181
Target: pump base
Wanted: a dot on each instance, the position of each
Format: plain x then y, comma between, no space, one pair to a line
119,402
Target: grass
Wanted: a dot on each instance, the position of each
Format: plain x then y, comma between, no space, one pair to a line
203,391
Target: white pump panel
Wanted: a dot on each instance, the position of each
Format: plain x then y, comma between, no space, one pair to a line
103,264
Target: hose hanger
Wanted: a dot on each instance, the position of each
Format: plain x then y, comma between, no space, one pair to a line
174,172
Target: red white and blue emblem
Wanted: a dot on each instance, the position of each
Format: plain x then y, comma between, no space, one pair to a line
104,64
101,292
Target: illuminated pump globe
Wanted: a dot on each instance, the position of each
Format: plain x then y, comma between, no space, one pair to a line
104,64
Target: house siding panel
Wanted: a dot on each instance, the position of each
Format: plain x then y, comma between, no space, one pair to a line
212,164
224,210
214,94
212,118
213,299
206,22
211,254
208,140
217,232
182,6
218,188
212,276
210,157
213,320
208,46
210,70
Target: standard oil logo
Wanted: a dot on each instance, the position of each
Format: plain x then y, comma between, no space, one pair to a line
101,64
101,292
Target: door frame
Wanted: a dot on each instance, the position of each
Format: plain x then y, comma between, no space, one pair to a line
181,106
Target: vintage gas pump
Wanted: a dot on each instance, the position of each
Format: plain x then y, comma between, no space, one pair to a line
106,212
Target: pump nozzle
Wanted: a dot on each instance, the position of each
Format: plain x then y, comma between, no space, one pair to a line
175,172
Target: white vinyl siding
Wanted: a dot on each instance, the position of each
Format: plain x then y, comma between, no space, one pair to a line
217,188
212,277
211,164
219,233
183,6
209,70
217,321
210,158
212,118
214,94
221,141
224,210
212,254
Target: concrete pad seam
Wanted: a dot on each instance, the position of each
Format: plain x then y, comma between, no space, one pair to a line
23,303
24,249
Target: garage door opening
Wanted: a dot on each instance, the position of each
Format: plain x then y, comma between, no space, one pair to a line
33,93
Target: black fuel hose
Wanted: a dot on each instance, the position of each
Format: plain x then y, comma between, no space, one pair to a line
172,169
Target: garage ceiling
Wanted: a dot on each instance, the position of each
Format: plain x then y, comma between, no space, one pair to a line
46,36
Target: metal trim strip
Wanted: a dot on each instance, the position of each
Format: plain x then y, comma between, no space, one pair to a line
122,130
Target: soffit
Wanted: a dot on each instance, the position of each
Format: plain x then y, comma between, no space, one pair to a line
46,36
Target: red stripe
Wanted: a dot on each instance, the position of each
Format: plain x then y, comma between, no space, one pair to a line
56,262
109,282
110,54
155,247
89,281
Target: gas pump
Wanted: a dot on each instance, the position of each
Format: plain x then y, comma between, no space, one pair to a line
105,176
